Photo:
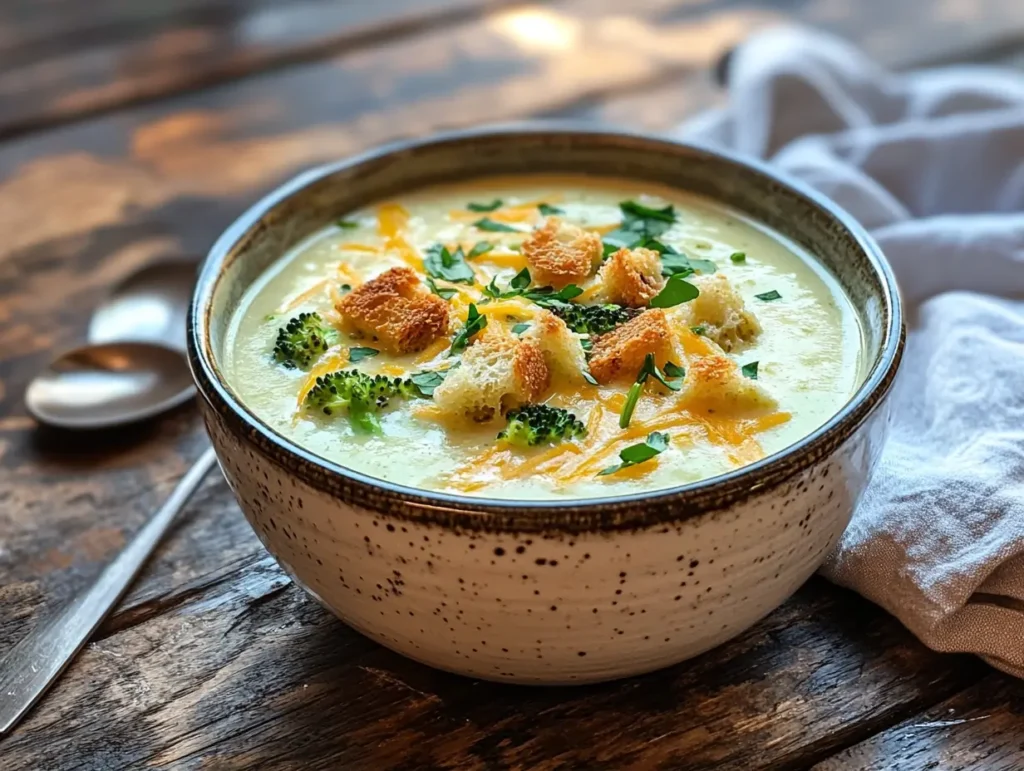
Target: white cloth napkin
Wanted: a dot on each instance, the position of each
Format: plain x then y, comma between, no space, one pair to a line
933,164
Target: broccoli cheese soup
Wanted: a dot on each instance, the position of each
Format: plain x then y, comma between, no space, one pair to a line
544,337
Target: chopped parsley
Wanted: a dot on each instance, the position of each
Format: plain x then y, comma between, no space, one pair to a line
345,224
441,263
648,369
359,353
426,382
443,292
738,257
701,330
676,292
518,329
494,227
475,321
547,209
640,224
481,247
750,370
768,296
655,444
673,370
485,207
519,287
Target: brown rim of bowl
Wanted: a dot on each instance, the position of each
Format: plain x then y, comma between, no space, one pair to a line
635,510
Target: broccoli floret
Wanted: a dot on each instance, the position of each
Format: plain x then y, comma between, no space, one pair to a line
362,395
593,319
303,340
538,423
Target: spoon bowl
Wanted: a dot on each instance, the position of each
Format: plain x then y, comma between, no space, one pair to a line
110,384
149,306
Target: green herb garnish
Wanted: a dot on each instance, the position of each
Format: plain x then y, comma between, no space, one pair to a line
443,292
475,321
441,263
494,227
655,444
426,382
346,224
359,353
676,292
548,210
750,370
485,207
701,330
481,247
640,224
768,296
673,370
518,329
738,257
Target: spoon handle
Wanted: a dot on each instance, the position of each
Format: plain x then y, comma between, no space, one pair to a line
36,662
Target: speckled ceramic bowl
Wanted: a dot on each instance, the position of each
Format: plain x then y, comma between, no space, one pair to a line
548,592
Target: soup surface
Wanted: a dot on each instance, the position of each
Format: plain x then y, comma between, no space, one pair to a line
667,340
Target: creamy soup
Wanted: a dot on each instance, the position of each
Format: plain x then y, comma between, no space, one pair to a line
544,338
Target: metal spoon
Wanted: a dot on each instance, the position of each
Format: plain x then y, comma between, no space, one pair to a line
97,387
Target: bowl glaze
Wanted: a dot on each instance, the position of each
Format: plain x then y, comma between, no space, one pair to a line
549,592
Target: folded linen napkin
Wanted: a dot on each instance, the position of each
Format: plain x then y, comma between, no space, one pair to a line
933,164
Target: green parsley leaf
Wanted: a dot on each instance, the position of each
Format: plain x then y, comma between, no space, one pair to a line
346,288
475,321
345,224
520,280
750,370
481,247
655,444
547,210
640,225
650,369
426,382
768,296
676,292
484,207
494,227
674,370
518,329
738,257
639,211
443,293
701,330
631,399
441,263
359,353
586,344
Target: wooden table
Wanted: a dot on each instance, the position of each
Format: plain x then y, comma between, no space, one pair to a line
132,131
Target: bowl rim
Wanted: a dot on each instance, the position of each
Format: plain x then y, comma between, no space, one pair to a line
626,511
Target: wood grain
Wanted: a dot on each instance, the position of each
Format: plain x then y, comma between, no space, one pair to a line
206,659
980,728
194,687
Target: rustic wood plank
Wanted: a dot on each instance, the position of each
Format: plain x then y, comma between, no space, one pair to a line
254,675
65,59
83,205
979,728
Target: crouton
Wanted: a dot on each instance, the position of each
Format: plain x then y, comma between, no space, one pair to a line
715,384
631,277
720,311
396,310
562,351
619,354
559,253
498,372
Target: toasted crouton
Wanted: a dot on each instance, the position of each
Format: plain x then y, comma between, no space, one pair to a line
632,277
396,310
619,354
715,384
562,351
498,372
559,253
720,311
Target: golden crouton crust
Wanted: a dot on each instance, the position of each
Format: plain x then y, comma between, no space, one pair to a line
632,277
714,383
559,253
531,373
619,354
397,310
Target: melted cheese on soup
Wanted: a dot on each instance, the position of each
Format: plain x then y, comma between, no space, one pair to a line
675,339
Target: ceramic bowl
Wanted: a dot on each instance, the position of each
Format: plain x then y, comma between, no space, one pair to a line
548,592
